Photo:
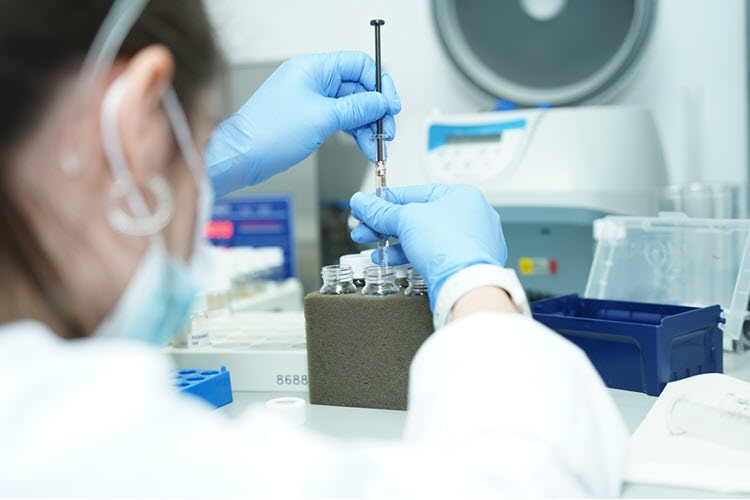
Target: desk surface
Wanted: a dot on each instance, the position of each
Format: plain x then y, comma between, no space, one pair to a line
348,423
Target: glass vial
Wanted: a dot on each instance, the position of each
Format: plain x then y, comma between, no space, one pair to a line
380,282
417,285
358,262
337,280
401,278
196,332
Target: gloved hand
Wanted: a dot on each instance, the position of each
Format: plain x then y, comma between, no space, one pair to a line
302,103
442,229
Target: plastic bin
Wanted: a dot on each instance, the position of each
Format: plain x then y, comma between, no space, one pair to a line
638,346
674,259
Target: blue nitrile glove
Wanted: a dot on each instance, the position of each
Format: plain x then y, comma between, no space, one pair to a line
302,103
442,229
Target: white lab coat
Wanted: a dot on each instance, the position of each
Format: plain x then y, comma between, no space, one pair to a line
499,405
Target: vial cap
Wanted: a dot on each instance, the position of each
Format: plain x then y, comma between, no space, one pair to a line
358,262
401,270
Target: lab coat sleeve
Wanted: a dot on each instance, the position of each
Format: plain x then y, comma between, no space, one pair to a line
517,407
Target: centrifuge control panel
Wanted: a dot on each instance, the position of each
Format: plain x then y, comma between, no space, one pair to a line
472,151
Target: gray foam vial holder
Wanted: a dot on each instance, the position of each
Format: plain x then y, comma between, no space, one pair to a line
359,348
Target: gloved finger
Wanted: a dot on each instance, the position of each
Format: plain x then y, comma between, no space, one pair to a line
394,103
355,66
389,127
349,88
396,256
366,138
388,89
357,110
359,67
378,214
363,234
366,143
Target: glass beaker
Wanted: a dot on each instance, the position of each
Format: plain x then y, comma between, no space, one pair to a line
713,200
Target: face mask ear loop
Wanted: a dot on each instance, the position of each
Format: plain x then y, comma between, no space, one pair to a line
184,138
179,121
116,25
142,223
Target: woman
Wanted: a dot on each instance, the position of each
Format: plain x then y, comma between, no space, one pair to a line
101,193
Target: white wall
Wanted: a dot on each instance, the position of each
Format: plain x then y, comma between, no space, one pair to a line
694,79
693,76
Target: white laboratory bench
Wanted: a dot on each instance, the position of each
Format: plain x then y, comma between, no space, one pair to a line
349,423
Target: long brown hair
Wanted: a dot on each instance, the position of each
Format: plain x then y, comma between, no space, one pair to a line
40,42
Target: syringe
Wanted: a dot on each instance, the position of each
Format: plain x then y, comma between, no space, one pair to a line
380,184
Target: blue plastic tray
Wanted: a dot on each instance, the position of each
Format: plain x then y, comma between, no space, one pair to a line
635,345
212,386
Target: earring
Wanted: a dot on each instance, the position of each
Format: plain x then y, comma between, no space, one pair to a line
147,224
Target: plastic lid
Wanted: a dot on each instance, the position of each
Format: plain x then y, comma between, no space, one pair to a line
674,259
401,270
358,262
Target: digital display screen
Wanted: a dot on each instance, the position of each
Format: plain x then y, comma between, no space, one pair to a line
473,139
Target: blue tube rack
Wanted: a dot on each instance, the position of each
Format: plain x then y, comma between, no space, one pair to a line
212,386
638,346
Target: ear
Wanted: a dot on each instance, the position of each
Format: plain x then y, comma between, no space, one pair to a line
145,131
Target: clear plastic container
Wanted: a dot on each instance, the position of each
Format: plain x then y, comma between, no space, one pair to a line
725,422
674,259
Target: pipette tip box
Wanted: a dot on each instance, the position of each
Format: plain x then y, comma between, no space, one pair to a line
638,346
212,386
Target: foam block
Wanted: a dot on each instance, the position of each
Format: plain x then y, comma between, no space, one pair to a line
359,348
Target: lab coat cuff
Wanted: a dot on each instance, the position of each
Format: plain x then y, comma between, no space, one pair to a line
473,277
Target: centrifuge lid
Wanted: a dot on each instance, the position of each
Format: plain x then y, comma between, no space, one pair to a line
556,52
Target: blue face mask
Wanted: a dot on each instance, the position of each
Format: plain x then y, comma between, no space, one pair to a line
155,305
